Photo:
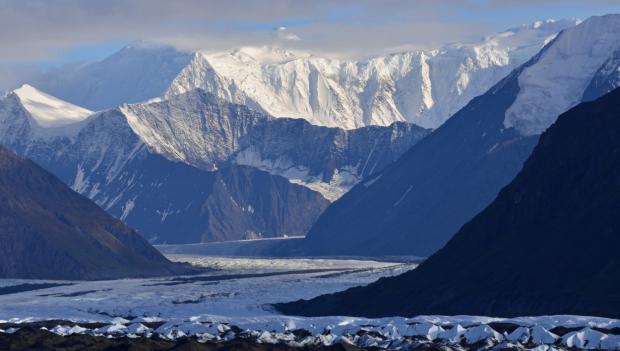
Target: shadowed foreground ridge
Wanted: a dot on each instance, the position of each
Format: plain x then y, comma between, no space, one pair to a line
29,338
547,245
48,231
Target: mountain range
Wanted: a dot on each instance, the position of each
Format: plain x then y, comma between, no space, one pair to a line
545,246
419,87
195,168
168,201
210,152
494,165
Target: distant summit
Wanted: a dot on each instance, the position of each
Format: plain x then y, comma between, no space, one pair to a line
419,87
138,72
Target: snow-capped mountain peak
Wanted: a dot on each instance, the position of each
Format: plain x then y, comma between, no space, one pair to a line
262,54
524,41
557,79
548,24
49,111
420,87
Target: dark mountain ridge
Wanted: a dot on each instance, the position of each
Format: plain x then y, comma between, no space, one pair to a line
414,205
48,231
547,245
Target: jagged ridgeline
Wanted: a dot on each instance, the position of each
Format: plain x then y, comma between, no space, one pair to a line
420,87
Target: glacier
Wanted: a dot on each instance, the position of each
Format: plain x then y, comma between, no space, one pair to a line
236,307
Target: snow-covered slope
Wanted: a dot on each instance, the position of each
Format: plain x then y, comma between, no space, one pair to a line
421,87
49,111
28,115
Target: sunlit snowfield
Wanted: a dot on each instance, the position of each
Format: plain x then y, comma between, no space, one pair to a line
233,287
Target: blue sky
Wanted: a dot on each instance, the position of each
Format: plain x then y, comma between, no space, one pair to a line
46,34
529,11
83,53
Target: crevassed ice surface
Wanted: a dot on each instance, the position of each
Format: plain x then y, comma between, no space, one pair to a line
235,287
556,82
421,87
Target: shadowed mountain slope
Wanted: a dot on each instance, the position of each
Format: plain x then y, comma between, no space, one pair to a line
547,245
48,231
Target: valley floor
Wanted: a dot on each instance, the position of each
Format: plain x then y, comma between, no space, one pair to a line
227,307
232,287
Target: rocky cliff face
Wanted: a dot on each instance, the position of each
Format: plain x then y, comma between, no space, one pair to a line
202,130
606,79
48,231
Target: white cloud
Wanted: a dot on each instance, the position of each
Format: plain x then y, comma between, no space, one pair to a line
36,30
39,29
283,33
